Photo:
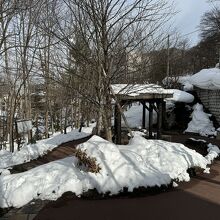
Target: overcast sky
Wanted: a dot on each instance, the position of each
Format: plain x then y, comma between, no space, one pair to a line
188,18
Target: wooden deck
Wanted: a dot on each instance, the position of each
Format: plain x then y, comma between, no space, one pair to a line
197,199
205,186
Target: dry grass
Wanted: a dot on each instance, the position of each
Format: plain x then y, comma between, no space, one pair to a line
89,162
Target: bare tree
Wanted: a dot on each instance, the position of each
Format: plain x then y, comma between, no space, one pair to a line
105,26
210,23
20,46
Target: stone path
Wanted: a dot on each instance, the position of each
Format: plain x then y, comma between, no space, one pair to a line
27,212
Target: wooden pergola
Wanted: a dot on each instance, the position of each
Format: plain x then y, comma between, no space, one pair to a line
155,98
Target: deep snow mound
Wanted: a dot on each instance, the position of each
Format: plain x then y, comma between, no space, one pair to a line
141,163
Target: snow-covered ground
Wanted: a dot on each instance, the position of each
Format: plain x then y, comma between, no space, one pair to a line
142,162
33,151
134,116
200,122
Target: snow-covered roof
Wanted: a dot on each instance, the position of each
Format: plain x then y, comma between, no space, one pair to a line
204,79
181,96
135,90
207,79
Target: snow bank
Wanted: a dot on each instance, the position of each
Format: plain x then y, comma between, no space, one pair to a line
33,151
200,122
142,162
213,152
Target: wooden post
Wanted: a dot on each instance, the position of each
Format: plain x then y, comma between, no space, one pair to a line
144,115
164,120
159,119
150,119
117,125
18,138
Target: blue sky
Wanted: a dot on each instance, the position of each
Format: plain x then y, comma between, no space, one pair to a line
188,18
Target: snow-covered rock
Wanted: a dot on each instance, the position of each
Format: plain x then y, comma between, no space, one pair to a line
200,122
213,152
142,162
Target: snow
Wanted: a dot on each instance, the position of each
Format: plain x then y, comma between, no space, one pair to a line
24,126
142,162
213,152
187,86
200,122
207,79
180,96
4,172
175,184
33,151
184,80
138,89
198,140
142,133
204,79
134,116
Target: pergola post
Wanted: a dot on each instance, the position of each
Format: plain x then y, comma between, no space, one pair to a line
159,118
117,125
164,117
144,115
150,119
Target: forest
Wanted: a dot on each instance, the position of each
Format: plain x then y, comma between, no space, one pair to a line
60,57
